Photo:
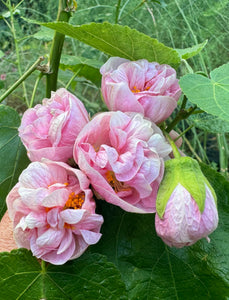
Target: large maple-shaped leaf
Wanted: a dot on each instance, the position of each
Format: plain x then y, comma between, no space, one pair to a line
210,94
89,277
152,270
13,156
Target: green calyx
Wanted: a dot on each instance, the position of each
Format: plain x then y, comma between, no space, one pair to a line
185,171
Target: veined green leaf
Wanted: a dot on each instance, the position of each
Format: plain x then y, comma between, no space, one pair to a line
1,53
44,34
152,270
117,40
191,51
211,95
85,67
89,277
209,123
13,156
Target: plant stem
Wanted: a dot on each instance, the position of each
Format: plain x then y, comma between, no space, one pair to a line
72,78
35,89
43,266
17,50
22,78
192,149
182,115
117,11
176,152
184,102
56,49
194,36
189,68
223,153
186,130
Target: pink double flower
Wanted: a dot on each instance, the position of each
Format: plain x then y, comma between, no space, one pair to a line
122,155
49,129
140,86
53,212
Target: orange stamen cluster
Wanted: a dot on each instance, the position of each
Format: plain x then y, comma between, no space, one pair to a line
116,185
69,226
135,90
75,201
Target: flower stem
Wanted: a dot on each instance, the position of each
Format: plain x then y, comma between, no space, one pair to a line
55,53
176,152
186,130
73,77
182,115
35,89
43,266
22,78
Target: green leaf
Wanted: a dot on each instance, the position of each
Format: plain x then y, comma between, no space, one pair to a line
44,34
1,53
6,14
87,68
117,40
209,123
13,156
89,277
211,95
191,51
152,270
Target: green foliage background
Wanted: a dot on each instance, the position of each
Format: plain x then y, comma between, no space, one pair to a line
133,263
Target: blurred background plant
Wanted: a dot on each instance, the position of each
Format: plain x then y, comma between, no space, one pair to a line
176,23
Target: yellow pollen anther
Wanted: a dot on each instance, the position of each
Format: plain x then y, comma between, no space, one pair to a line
135,90
96,148
75,201
47,209
116,185
66,183
69,226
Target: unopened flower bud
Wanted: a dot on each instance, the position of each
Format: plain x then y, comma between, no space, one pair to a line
186,204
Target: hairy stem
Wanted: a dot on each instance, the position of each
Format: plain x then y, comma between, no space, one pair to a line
56,49
22,78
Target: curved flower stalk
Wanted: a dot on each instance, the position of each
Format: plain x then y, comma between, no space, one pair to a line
123,157
49,130
53,212
140,86
186,204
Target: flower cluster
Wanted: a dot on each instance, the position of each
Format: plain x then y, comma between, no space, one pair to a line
120,156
